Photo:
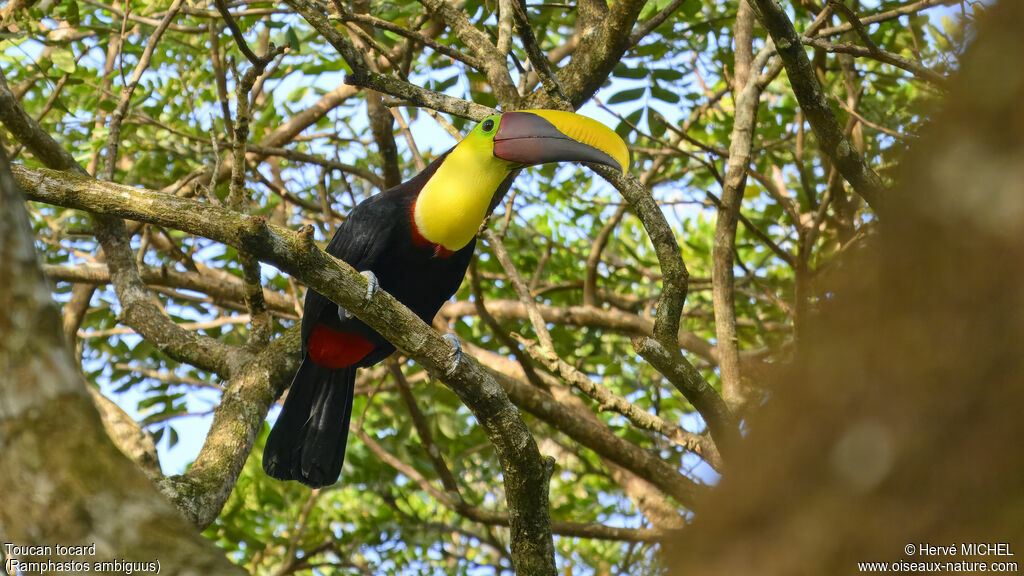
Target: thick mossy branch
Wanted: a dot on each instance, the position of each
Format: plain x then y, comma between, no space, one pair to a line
604,40
201,492
63,480
525,474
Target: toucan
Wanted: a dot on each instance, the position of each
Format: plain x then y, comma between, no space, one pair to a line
415,241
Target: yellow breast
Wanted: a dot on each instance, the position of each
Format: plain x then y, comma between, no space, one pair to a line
454,202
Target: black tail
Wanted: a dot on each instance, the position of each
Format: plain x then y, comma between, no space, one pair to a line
308,441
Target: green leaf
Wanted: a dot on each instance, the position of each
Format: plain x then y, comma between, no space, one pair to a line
59,105
298,94
667,74
656,123
293,40
664,95
443,85
64,59
625,127
627,95
623,71
73,16
941,41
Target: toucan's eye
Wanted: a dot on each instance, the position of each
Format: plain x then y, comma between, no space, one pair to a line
488,125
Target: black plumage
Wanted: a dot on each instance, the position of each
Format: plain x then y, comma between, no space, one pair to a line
309,438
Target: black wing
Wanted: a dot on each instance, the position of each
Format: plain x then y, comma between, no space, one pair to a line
359,241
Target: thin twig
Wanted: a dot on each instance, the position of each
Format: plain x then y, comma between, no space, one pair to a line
536,320
258,62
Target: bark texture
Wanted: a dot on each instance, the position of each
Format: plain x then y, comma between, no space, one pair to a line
64,482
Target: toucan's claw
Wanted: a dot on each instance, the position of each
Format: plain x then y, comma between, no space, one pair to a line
456,347
371,286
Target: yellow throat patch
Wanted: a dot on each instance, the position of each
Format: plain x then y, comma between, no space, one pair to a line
454,202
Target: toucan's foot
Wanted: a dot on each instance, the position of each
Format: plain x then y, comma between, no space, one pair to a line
371,286
456,352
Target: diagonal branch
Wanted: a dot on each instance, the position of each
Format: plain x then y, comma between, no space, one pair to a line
494,62
880,55
525,473
468,59
556,96
608,400
536,320
722,424
420,96
912,8
809,94
200,493
563,410
258,62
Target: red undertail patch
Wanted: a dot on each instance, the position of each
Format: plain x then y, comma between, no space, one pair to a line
336,350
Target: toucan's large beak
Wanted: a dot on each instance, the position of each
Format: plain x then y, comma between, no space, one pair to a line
540,136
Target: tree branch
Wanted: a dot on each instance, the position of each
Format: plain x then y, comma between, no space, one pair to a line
421,96
691,384
594,258
812,100
220,289
675,277
600,438
747,94
541,329
260,324
201,492
525,473
495,66
117,116
598,52
555,94
65,481
614,320
912,8
467,59
613,402
259,63
880,55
